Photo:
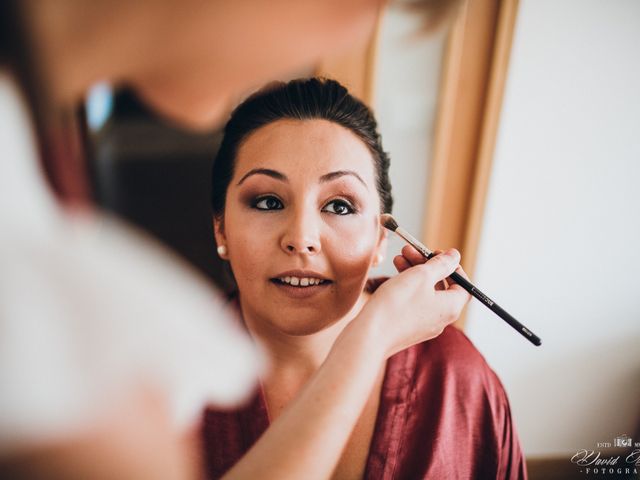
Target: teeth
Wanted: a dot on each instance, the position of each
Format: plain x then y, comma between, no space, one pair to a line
302,282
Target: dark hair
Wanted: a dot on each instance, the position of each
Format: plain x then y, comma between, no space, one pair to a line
313,98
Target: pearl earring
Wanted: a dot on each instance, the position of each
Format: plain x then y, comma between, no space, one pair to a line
378,260
222,251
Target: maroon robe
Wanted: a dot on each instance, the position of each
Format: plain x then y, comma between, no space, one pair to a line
443,414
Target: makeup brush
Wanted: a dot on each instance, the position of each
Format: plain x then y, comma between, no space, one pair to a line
388,222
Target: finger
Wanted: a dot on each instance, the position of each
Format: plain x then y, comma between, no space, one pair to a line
443,265
401,263
412,255
443,285
454,287
461,271
458,298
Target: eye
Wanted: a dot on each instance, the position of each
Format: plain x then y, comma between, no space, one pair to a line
339,207
267,203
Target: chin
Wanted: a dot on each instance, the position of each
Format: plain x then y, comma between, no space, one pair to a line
300,325
187,110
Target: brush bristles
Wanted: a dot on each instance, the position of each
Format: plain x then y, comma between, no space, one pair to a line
388,222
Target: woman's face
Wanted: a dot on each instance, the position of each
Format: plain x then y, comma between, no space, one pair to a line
301,224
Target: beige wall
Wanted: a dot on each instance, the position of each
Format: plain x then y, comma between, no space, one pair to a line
559,248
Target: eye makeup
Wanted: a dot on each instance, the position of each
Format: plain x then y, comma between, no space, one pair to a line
250,195
339,202
267,203
352,196
341,196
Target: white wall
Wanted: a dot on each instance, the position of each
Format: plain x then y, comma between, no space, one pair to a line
561,237
406,96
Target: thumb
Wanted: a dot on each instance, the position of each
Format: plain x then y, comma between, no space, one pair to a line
443,265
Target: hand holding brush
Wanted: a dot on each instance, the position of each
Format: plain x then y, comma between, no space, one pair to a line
389,223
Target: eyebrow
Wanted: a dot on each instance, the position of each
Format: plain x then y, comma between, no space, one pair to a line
341,173
327,177
264,171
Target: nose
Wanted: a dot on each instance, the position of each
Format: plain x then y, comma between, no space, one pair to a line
301,235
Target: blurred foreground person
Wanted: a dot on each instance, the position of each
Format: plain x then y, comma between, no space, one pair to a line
109,346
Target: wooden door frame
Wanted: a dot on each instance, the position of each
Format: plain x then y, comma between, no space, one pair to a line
474,74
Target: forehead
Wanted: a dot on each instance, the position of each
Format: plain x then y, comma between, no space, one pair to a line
305,148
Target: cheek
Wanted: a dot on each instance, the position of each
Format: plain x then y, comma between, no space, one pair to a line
249,242
350,248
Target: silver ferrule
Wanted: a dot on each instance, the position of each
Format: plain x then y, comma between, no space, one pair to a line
413,241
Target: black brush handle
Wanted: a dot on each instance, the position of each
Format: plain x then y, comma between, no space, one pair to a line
471,288
495,308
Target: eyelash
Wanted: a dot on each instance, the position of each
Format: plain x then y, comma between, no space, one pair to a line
342,202
256,201
339,201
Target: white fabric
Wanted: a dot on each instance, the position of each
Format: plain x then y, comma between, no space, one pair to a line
90,309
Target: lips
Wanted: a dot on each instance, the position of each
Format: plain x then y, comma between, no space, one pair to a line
300,283
301,278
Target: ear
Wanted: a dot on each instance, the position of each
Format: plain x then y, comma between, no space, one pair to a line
381,246
218,230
